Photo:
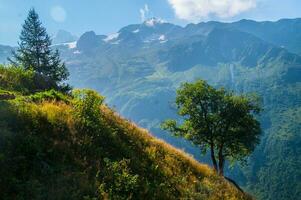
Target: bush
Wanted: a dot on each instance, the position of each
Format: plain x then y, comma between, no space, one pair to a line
87,110
14,78
117,181
50,95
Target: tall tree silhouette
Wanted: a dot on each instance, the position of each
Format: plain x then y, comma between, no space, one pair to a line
34,51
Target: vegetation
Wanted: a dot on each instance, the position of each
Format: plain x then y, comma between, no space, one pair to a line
58,146
35,53
245,56
217,120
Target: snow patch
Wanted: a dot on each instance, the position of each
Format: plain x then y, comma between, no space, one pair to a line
156,38
117,42
77,52
162,37
136,31
71,45
111,37
153,22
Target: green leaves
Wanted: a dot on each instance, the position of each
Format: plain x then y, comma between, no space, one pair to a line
35,53
218,119
87,107
50,95
117,181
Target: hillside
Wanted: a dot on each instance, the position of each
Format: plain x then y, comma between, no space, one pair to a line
57,146
244,56
139,67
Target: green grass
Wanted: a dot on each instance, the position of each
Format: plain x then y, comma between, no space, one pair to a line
47,133
58,146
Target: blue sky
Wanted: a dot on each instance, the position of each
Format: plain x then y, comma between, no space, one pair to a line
107,16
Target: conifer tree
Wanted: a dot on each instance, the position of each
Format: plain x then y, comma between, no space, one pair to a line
34,51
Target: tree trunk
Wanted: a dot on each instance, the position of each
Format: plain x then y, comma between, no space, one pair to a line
221,161
221,166
213,158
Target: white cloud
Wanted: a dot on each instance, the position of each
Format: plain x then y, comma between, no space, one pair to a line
58,13
144,12
195,10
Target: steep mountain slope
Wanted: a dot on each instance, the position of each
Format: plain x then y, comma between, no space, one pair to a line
284,33
139,67
56,146
139,76
63,36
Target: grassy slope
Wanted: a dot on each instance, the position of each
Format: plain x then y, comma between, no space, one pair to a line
168,169
46,154
176,163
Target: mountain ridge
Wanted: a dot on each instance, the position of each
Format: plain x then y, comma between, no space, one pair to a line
139,72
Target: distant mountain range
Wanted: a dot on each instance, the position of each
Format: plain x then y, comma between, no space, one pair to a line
139,68
5,51
63,36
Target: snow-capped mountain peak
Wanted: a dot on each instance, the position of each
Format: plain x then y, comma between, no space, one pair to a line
153,21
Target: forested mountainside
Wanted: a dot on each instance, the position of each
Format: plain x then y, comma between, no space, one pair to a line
139,67
72,146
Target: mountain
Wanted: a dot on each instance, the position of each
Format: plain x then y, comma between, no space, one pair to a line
5,52
284,33
139,67
59,146
63,36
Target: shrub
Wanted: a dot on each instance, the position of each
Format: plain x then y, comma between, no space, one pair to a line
25,81
15,78
50,95
117,181
87,110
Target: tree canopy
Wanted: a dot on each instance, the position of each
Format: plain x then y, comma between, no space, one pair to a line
216,120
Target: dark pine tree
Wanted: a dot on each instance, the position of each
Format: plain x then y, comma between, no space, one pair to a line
35,53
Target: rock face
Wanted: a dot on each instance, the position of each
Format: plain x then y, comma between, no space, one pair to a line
63,36
89,41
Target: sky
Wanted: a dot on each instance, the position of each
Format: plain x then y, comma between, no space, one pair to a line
108,16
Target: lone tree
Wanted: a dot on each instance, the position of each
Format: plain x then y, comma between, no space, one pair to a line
35,53
216,120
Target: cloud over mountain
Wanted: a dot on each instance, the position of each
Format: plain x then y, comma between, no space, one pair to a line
144,12
195,10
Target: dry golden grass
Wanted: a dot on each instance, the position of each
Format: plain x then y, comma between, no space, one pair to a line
190,178
178,162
